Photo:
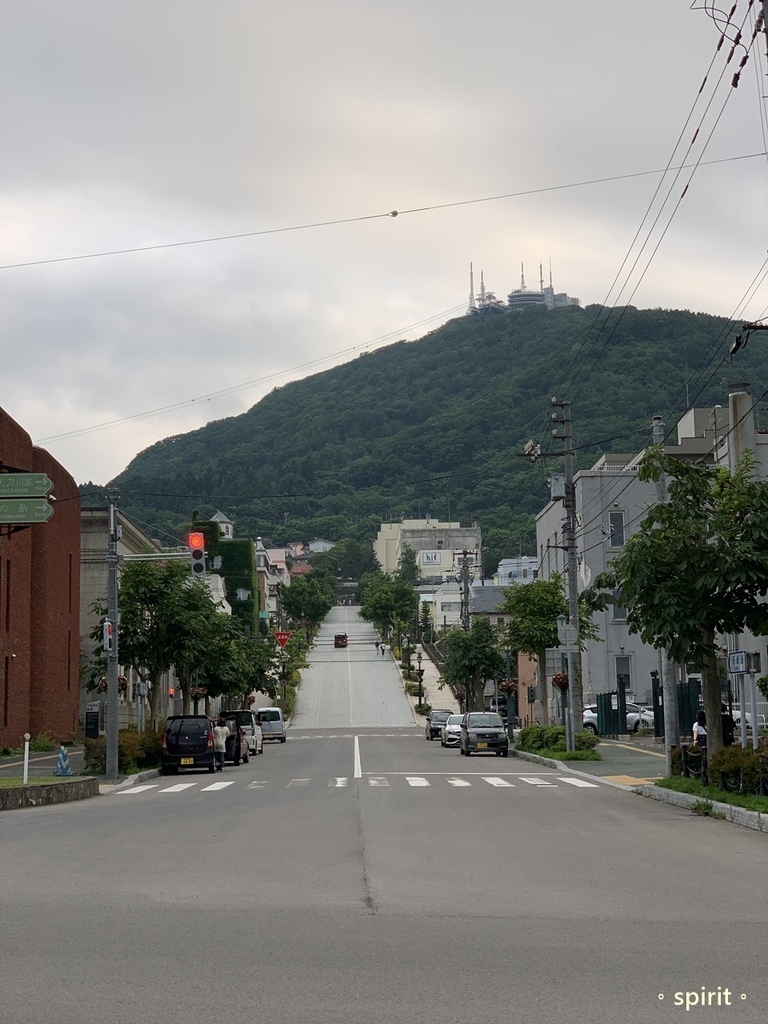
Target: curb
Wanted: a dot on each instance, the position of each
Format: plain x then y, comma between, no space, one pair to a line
132,780
738,815
48,793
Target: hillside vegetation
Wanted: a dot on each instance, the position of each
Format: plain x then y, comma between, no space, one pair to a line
437,426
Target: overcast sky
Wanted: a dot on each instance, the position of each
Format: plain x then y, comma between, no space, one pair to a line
143,124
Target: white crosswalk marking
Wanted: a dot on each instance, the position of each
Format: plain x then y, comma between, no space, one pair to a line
378,781
579,782
256,785
492,780
535,781
337,783
136,789
416,780
214,786
179,787
458,782
297,782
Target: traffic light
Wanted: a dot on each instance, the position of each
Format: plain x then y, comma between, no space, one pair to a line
196,544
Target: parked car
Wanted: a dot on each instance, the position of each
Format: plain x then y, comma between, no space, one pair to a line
272,723
483,732
187,743
247,720
450,735
638,717
433,724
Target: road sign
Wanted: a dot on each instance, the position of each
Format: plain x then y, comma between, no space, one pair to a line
283,636
25,510
737,662
24,485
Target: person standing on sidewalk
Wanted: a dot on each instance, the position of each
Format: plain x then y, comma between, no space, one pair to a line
220,737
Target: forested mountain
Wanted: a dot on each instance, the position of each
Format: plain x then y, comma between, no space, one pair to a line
437,426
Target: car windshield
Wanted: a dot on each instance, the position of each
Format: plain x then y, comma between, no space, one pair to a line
454,720
483,721
244,718
440,716
269,716
190,727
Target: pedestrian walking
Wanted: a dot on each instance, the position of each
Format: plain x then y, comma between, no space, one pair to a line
383,650
220,737
700,730
377,646
729,726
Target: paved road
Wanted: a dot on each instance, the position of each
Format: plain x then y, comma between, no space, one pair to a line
361,874
353,686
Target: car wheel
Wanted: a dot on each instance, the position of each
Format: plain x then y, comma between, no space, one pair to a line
637,726
247,757
505,753
589,727
283,739
168,769
236,761
467,752
461,751
211,768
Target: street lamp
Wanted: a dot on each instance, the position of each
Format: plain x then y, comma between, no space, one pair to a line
419,673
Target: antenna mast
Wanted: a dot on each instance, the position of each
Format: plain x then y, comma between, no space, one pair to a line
522,278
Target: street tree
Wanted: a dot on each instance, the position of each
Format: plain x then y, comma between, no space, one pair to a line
696,567
534,609
309,598
471,657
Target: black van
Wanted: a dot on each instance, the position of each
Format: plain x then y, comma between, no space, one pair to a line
187,743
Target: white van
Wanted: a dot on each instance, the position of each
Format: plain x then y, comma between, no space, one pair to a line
272,723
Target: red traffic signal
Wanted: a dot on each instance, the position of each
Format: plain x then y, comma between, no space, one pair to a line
196,544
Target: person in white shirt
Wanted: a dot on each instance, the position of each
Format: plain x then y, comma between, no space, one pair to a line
220,737
700,730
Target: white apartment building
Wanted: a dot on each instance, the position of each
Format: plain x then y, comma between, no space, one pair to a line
439,547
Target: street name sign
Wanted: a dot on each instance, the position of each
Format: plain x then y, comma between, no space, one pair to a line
283,636
25,510
737,662
24,485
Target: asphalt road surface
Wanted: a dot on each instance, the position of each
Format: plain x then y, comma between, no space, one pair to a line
358,873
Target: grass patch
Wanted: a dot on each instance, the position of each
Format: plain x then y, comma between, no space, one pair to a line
695,788
13,782
578,755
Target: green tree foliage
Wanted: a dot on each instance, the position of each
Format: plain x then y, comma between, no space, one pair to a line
407,567
696,567
349,559
472,657
387,602
309,598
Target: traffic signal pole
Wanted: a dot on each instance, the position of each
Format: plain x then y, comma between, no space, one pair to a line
112,764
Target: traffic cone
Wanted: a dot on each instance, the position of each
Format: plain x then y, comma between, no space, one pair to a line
62,765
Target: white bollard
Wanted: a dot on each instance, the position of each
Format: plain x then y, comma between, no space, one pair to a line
26,757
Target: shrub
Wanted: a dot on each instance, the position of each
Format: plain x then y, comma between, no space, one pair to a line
550,739
735,767
135,751
43,741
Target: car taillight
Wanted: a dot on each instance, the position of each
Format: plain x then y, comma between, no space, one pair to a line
165,744
210,740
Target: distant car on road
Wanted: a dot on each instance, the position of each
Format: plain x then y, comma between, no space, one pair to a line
340,640
187,743
450,734
433,725
637,717
483,732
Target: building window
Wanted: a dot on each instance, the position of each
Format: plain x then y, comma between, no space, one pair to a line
616,529
619,611
622,673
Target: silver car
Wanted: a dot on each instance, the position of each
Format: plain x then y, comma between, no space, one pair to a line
637,717
450,734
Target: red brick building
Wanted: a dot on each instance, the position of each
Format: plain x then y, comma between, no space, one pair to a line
39,603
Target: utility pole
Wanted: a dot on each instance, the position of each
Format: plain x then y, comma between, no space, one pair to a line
668,688
575,700
464,580
113,614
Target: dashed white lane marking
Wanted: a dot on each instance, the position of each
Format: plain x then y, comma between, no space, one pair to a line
257,785
377,781
298,782
416,780
579,782
458,782
179,787
493,780
136,789
216,786
337,783
532,781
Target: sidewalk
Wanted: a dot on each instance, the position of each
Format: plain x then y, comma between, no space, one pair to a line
432,694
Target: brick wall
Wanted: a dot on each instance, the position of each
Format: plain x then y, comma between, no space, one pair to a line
39,603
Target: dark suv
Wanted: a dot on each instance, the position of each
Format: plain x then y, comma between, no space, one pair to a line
483,732
187,743
434,722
